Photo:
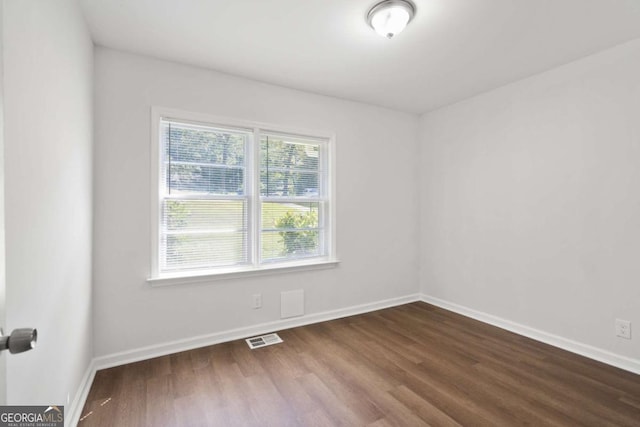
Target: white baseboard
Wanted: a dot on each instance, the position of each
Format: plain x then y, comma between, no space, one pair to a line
74,412
149,352
604,356
163,349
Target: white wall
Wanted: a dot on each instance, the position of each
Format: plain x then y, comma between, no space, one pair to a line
48,188
376,210
530,201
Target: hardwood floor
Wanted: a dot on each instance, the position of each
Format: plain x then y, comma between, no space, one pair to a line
410,365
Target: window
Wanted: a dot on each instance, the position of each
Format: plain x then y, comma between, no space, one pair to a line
236,197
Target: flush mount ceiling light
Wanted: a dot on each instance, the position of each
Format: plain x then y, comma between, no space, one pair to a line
389,17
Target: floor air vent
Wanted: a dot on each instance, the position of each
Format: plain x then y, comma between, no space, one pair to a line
263,341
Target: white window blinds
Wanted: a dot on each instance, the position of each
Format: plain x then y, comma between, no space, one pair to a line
204,202
234,199
292,207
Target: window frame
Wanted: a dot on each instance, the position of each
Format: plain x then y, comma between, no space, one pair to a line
254,199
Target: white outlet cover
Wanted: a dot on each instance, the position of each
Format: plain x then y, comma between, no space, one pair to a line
623,329
257,301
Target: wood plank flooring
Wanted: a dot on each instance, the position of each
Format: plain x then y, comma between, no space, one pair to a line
410,365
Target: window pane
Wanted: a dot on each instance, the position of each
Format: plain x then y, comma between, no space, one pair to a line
290,153
289,245
288,184
290,215
188,178
289,230
205,215
201,159
202,251
289,167
203,233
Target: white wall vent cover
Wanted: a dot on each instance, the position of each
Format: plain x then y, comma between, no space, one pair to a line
291,303
263,341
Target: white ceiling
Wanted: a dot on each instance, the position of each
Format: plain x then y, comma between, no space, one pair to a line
453,49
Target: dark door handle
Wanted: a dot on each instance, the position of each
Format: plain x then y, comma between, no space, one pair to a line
20,340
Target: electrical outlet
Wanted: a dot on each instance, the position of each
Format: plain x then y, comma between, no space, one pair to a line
623,329
257,301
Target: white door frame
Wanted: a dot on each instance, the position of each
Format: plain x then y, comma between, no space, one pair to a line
3,357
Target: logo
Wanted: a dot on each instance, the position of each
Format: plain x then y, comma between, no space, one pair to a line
31,416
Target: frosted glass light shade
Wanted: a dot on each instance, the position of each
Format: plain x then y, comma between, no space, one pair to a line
390,17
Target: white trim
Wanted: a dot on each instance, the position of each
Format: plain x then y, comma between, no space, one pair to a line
604,356
74,412
255,207
331,191
154,191
164,349
247,125
149,352
245,271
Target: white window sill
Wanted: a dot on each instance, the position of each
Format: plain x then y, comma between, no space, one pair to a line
235,272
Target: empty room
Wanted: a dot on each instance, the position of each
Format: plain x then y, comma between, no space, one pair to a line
319,213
